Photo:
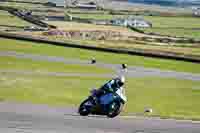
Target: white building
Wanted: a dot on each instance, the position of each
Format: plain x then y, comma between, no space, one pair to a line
73,3
59,3
196,11
86,6
132,21
135,22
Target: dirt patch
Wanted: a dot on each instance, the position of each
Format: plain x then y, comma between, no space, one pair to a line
89,35
115,35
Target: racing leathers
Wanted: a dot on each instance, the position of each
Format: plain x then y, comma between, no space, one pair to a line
110,87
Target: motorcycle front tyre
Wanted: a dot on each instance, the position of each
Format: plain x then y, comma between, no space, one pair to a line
118,106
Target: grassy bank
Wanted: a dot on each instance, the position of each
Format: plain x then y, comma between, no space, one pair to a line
44,49
187,48
12,63
167,97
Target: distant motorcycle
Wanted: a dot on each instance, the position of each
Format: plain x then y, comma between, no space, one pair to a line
110,104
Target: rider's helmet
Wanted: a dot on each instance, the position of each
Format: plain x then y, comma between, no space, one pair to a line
120,81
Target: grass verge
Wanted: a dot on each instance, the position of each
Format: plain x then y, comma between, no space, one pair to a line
167,97
12,63
188,49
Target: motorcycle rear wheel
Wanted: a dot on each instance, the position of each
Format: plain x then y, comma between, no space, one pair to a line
83,110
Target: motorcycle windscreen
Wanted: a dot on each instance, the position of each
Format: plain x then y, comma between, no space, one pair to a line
106,99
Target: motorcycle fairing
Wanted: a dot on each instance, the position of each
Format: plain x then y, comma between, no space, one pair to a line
121,94
106,99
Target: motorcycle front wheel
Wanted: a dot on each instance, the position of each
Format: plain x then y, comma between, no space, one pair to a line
114,109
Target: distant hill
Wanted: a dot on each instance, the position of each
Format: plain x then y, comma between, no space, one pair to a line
183,3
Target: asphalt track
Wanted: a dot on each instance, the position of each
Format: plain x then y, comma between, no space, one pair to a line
27,118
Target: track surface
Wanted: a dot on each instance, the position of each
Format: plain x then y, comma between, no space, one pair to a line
26,118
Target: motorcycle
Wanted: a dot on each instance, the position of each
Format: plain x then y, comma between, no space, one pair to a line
110,104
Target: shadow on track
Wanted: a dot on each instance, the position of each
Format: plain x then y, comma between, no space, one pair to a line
89,116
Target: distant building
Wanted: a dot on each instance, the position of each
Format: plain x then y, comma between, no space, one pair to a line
71,3
136,22
196,11
132,21
119,22
51,4
58,3
86,6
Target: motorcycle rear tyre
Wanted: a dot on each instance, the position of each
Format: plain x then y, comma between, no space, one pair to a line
83,111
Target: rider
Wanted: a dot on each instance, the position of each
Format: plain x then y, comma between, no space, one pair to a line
111,86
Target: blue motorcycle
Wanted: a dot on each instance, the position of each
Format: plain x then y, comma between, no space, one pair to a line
110,104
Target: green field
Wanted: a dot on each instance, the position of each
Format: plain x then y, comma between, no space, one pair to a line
44,49
175,26
97,16
22,5
158,21
174,22
9,20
